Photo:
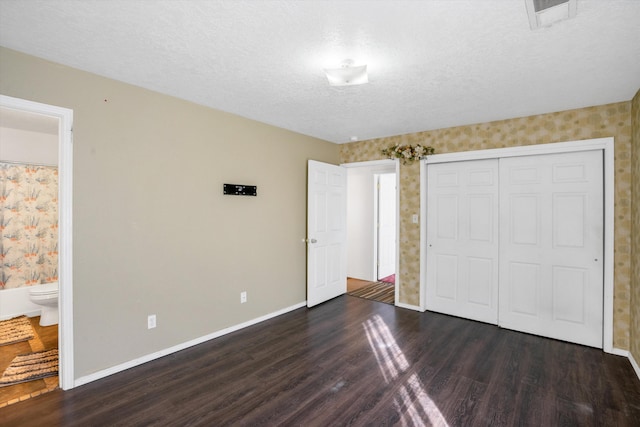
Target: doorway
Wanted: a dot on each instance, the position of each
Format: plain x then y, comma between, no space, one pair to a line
65,186
372,229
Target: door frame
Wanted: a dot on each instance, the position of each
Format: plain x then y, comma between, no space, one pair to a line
396,163
65,228
607,147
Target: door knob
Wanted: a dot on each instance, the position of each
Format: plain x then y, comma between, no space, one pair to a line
313,241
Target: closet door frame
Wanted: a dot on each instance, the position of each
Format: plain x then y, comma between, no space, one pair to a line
604,144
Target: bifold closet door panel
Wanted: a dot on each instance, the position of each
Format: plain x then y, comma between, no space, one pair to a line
551,246
462,239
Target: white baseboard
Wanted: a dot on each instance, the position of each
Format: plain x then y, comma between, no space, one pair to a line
149,357
409,306
619,352
634,364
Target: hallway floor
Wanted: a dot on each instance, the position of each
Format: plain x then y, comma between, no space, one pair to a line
355,284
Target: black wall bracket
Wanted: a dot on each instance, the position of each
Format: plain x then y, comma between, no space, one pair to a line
240,190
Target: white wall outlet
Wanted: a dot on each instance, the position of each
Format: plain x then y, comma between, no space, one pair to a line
151,321
243,297
414,218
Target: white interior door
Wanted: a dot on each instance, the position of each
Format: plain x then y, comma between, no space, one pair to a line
326,232
551,245
462,239
386,224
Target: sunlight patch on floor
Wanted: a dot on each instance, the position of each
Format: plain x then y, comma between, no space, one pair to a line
413,402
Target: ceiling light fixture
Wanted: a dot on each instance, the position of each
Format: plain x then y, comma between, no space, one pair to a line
348,74
545,13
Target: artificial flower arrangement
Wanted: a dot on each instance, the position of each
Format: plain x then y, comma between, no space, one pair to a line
408,153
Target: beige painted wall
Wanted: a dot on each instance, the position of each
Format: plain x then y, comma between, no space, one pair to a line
22,146
593,122
635,229
152,231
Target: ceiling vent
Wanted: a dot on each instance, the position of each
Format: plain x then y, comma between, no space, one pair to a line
545,13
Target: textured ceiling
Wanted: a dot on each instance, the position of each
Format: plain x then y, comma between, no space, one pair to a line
432,64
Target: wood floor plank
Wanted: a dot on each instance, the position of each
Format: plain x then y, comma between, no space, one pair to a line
351,361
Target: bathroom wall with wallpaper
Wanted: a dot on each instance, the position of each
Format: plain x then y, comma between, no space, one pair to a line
635,229
586,123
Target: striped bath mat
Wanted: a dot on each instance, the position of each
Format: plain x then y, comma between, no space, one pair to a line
29,367
15,330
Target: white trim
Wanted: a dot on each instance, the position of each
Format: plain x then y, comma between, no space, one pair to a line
408,306
524,150
609,239
149,357
423,236
374,226
396,296
619,352
373,267
65,223
368,164
634,364
605,144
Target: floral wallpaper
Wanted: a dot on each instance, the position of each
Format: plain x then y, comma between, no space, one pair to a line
635,243
28,225
585,123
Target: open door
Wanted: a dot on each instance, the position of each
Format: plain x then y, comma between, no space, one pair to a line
386,225
326,232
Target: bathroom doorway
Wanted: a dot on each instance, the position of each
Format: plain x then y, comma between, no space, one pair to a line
22,112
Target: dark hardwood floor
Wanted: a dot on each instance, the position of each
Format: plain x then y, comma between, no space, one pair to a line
352,361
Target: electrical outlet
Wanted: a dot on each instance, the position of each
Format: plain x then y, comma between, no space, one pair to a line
243,297
414,219
151,321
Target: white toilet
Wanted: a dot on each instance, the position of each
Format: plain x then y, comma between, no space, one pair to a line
46,295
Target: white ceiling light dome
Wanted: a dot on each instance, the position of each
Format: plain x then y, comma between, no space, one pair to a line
348,74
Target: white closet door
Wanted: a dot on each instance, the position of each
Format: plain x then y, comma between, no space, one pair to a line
462,239
551,246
